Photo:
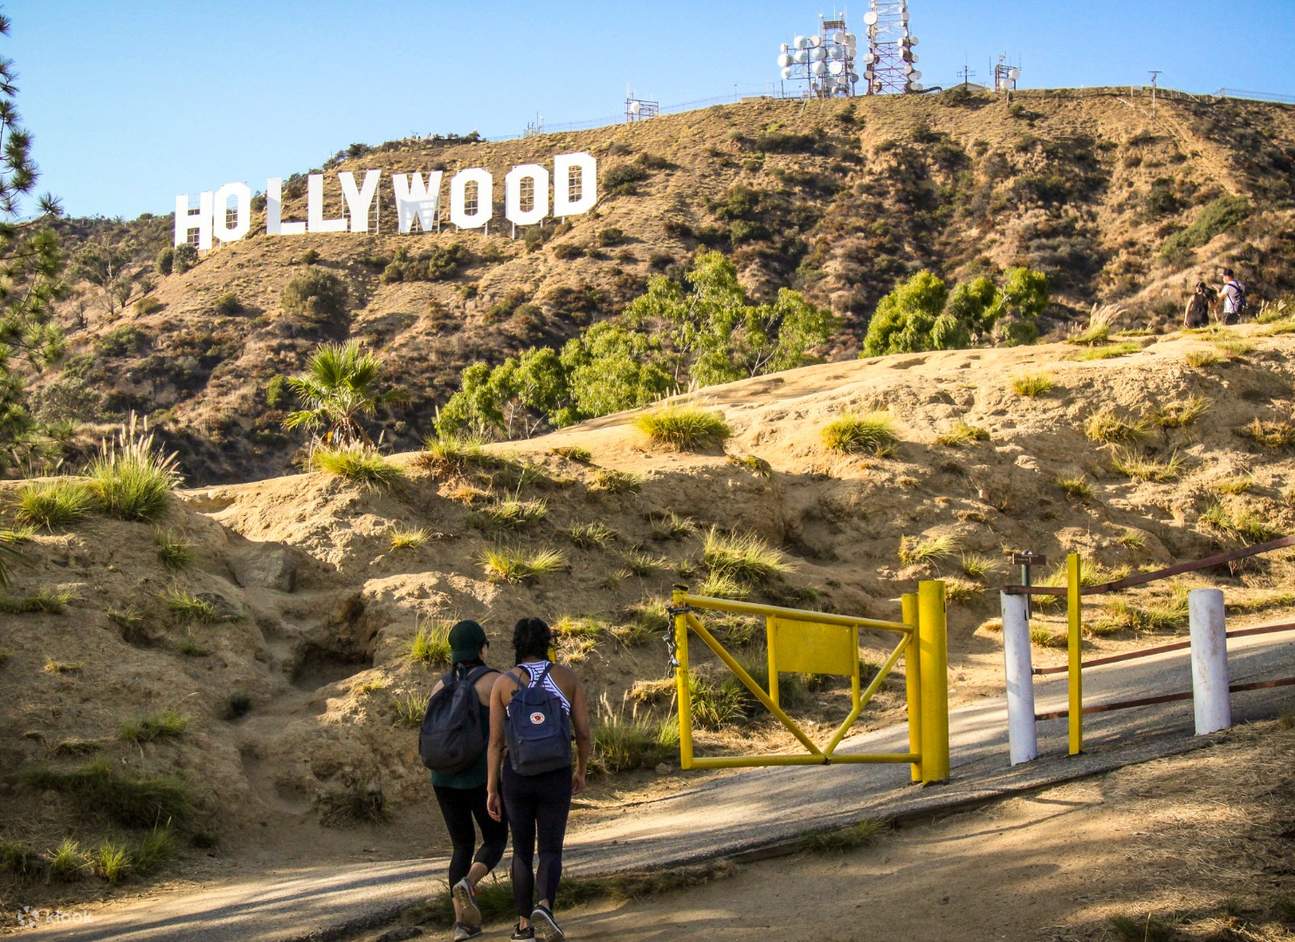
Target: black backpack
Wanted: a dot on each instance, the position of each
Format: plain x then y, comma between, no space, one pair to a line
451,738
538,730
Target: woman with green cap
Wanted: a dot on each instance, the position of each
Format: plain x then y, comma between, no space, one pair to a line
462,795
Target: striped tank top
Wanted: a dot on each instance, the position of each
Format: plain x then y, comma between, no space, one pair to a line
535,669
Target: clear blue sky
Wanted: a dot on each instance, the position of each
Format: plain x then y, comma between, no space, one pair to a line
132,102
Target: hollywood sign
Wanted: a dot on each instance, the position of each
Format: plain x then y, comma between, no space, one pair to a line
226,214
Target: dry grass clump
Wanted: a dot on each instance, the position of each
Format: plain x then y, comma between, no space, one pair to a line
610,481
625,741
1199,359
743,557
1100,321
358,463
1032,385
1244,526
573,453
44,601
1047,638
1107,352
190,607
1234,485
839,840
978,566
753,463
1179,414
914,550
512,513
1109,428
451,454
1233,349
1075,487
591,535
132,477
1132,539
672,526
872,434
683,428
168,724
639,563
1143,467
503,564
53,504
1275,435
408,709
172,552
430,643
1159,617
402,538
721,585
962,434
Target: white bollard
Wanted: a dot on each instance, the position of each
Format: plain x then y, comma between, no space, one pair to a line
1209,660
1018,670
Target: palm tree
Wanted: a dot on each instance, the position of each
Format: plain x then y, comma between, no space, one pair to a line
341,384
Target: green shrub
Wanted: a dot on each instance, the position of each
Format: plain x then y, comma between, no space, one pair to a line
67,862
315,295
165,260
148,305
132,478
684,428
873,434
520,566
1076,487
744,557
1215,217
358,463
183,258
430,643
111,861
52,504
167,724
228,304
624,741
154,850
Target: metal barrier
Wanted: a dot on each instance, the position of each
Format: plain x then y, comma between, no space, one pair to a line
809,642
1208,645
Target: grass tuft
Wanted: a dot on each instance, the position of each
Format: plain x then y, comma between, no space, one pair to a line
408,709
1032,385
1199,359
1179,414
1107,352
51,505
683,428
1243,527
503,564
98,788
672,526
358,463
512,513
67,862
154,850
962,434
1132,539
190,607
591,535
431,643
1149,929
1277,435
1076,487
168,724
132,478
610,481
840,840
174,553
43,601
978,566
1142,467
1234,485
625,741
743,557
401,538
111,861
1107,427
916,550
573,453
872,434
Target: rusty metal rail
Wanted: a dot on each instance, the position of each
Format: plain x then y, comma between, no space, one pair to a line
1162,648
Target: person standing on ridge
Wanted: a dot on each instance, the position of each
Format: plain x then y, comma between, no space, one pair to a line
1197,313
533,711
462,794
1232,297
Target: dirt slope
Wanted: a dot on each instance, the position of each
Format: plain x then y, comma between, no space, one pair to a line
315,610
839,199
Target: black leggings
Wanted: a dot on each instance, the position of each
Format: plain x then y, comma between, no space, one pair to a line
459,806
537,807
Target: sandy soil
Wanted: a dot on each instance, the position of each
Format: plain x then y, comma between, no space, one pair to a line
1201,843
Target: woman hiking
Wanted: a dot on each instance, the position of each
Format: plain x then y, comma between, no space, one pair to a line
462,795
531,774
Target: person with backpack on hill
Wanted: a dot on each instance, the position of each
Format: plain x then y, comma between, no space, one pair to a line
1197,313
534,710
1232,298
453,744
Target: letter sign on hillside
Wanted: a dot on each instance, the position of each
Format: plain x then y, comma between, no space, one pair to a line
530,196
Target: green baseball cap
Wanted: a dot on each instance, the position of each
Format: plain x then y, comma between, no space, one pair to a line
466,640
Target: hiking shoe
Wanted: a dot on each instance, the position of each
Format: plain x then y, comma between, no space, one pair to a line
469,911
520,934
546,927
462,932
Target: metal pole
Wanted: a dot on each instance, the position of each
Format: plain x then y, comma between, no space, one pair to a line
1208,628
1019,676
1075,721
913,681
682,691
932,630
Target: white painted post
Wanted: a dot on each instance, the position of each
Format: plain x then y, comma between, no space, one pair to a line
1019,674
1209,660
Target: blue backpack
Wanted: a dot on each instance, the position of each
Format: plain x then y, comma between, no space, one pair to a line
538,730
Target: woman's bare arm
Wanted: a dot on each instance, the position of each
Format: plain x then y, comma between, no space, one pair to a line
495,748
584,736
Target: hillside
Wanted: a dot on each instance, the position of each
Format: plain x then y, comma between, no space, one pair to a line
838,199
256,682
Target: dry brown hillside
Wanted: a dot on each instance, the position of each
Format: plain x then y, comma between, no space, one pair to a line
837,198
282,644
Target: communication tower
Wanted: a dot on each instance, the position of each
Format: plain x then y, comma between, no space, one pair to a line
640,109
823,62
1005,75
890,65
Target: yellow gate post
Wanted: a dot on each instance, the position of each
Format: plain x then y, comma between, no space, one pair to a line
682,692
1075,715
913,681
932,632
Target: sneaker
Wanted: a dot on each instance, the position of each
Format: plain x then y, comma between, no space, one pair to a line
546,927
462,932
469,911
519,933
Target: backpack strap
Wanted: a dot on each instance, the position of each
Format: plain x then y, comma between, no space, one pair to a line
478,672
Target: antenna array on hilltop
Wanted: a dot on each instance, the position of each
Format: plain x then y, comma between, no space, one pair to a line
824,62
890,65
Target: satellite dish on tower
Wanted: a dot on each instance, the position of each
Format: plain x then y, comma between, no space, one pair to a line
870,18
784,60
786,72
635,107
836,67
914,75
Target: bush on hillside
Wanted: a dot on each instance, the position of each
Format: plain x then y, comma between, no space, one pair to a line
1215,218
165,260
183,258
315,295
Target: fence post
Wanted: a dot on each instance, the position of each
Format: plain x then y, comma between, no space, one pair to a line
933,656
1074,655
682,691
1023,742
913,681
1208,627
